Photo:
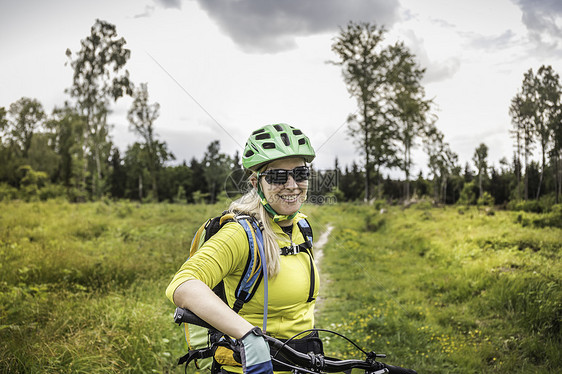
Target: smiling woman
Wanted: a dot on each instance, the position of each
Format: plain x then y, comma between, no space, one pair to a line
277,156
284,186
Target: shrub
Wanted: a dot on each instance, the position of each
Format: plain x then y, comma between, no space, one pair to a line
7,192
486,200
51,191
374,221
468,194
532,206
552,219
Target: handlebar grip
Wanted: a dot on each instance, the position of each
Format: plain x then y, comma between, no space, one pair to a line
184,315
399,370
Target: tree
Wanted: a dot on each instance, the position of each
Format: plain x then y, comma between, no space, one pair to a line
522,111
501,181
442,161
198,182
67,136
27,115
135,166
364,65
117,175
98,78
351,182
481,163
547,87
141,116
409,108
216,167
3,123
556,153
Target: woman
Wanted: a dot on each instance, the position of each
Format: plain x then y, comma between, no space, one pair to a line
277,156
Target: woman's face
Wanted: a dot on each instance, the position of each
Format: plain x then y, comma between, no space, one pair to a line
285,198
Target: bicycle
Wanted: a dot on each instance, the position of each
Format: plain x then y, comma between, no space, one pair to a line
312,363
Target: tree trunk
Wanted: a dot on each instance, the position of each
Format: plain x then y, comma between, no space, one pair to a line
407,170
367,163
541,175
558,177
444,189
526,191
154,186
97,193
140,186
480,183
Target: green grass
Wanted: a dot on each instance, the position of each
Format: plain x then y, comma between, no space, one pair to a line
82,285
439,290
445,290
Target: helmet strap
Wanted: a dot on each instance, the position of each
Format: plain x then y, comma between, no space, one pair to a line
276,217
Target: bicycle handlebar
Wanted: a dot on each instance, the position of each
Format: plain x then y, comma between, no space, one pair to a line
316,362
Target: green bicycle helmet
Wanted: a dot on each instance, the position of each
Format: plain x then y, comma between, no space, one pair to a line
273,142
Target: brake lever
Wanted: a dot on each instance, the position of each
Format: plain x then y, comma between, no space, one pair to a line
373,356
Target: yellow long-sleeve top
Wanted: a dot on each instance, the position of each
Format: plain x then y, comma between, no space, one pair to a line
224,256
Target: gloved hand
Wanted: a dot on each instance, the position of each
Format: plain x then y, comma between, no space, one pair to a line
254,352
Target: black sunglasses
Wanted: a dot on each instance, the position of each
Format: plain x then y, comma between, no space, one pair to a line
281,176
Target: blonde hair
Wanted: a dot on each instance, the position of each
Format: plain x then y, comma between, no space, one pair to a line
251,204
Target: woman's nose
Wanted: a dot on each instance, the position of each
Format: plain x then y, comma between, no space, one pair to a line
291,183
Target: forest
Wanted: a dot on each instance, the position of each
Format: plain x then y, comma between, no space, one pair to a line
69,153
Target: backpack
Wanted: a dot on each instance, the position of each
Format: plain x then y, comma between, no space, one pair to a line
204,346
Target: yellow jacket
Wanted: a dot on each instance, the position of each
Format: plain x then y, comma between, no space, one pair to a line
224,256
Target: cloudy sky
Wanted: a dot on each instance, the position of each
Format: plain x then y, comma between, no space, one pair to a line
221,68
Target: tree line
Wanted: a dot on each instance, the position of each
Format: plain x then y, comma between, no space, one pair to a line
393,116
70,153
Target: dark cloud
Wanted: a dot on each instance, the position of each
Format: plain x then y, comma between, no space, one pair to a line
268,26
543,19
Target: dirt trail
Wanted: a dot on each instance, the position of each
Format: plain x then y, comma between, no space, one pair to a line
318,254
319,244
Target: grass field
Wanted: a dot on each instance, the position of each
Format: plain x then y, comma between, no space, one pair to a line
441,290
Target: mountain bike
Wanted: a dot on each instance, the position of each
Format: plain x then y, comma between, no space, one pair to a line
312,363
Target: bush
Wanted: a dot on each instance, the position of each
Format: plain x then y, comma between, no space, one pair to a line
374,221
336,194
7,192
486,200
551,219
468,195
77,195
532,206
51,191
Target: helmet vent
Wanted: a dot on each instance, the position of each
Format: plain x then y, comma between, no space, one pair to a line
302,141
278,128
249,153
263,136
258,131
285,139
297,132
268,145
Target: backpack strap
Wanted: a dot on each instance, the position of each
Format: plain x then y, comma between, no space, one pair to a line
307,234
306,231
253,272
256,268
